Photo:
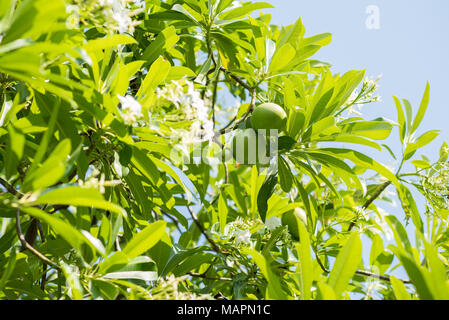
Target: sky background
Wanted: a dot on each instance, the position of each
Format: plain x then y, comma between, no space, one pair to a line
410,48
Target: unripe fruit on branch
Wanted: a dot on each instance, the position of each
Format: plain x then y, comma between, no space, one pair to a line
268,116
250,147
290,219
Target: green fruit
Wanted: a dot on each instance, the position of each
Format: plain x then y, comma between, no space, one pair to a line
245,147
291,220
269,116
247,123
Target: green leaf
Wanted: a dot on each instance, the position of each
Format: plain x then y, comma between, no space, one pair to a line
51,171
145,239
422,109
422,141
108,42
156,75
222,212
166,39
410,208
9,268
179,72
138,275
305,261
376,130
77,196
324,126
399,232
401,119
415,272
74,237
243,11
14,150
363,161
264,194
346,264
318,109
274,289
73,282
399,289
325,292
285,175
350,138
282,58
436,274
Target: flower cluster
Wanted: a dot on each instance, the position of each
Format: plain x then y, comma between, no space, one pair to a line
168,289
436,185
273,223
367,94
97,183
115,15
239,231
191,107
131,110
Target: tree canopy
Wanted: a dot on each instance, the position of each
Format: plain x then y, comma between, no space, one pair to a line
127,130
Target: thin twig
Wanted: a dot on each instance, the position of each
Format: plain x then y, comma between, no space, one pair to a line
236,79
360,272
9,187
173,219
199,275
224,129
250,108
29,247
44,266
214,98
370,201
200,227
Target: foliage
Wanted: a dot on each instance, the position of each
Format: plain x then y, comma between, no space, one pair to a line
97,98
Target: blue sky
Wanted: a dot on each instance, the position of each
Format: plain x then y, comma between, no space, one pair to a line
410,48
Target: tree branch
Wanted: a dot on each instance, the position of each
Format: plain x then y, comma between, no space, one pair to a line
9,187
204,276
200,227
236,79
378,192
361,272
29,247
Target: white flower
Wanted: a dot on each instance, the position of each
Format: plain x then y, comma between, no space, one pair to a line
188,101
96,183
124,22
242,236
272,223
118,11
352,97
131,109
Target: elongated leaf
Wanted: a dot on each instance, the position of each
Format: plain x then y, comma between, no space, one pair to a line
399,289
243,10
78,196
422,141
346,264
145,239
166,39
422,109
264,194
74,237
274,289
138,275
305,261
285,175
